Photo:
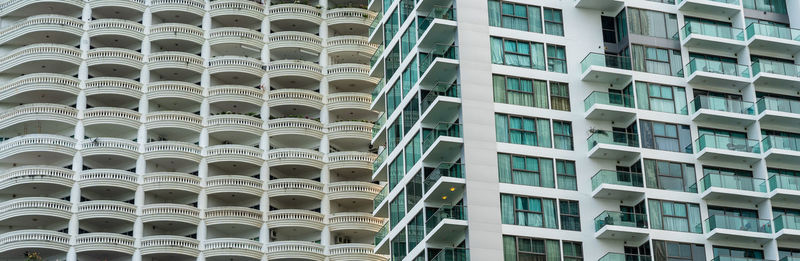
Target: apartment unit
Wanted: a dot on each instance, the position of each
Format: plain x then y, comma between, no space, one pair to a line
587,129
186,130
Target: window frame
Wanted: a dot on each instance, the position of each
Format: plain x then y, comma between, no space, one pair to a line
564,136
554,96
562,215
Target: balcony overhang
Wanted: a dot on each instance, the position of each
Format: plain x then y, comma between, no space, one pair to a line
443,109
723,155
739,236
607,75
733,195
443,149
610,113
716,79
613,152
723,118
619,192
632,234
709,7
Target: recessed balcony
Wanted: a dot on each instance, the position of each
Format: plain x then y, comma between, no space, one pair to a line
379,167
237,183
780,149
444,184
446,224
37,175
234,37
31,88
42,29
177,32
110,116
778,76
174,120
439,64
24,149
235,68
441,104
355,221
353,190
241,13
295,187
295,250
170,212
295,132
787,227
377,65
351,160
171,181
106,209
724,8
295,97
738,229
175,90
438,26
347,17
294,69
350,44
345,252
38,207
375,33
712,37
619,185
350,73
773,38
607,69
614,107
784,188
113,91
116,33
294,157
381,246
108,178
286,218
232,247
304,16
175,63
733,188
17,242
717,73
234,123
349,131
168,245
112,61
443,143
56,58
137,5
620,146
720,111
104,242
602,5
378,205
233,215
621,226
294,44
727,149
172,149
48,117
195,7
110,147
26,7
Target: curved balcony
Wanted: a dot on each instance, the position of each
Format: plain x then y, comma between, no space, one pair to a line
295,250
239,184
352,44
344,252
294,97
350,130
106,209
236,36
37,28
115,56
40,112
111,116
232,152
236,65
355,221
235,123
295,187
237,93
104,242
57,57
108,178
118,27
11,6
175,89
174,119
110,146
295,126
172,149
353,190
36,206
349,73
351,160
37,143
137,5
170,212
113,86
222,9
289,157
295,68
349,100
301,12
165,244
349,16
233,215
36,175
176,31
37,84
195,7
34,239
232,247
176,60
295,218
171,181
292,39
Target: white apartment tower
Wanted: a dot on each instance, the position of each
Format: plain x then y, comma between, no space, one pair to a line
194,130
613,130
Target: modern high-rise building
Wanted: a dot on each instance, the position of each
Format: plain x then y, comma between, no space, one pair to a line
611,130
175,130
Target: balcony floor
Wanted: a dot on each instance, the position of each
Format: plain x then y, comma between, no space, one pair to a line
788,157
733,195
446,191
713,43
632,234
723,118
738,236
613,113
443,109
719,80
723,155
776,82
778,119
444,149
785,196
773,44
608,75
614,152
618,192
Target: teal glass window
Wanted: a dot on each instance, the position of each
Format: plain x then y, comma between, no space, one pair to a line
398,246
553,22
520,91
397,209
565,174
675,216
528,211
523,170
668,175
523,130
562,135
525,248
662,98
556,58
774,6
573,251
570,215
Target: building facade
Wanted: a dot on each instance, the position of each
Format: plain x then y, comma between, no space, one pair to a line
186,130
587,129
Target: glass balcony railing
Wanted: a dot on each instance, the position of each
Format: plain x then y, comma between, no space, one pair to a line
733,182
378,125
738,223
438,51
454,170
722,104
617,178
718,67
778,104
452,254
789,258
381,233
731,258
615,218
376,56
379,160
787,222
440,89
624,257
380,197
375,23
438,12
781,143
780,181
613,138
772,31
727,143
786,69
614,99
713,30
445,212
733,2
606,60
441,129
377,90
